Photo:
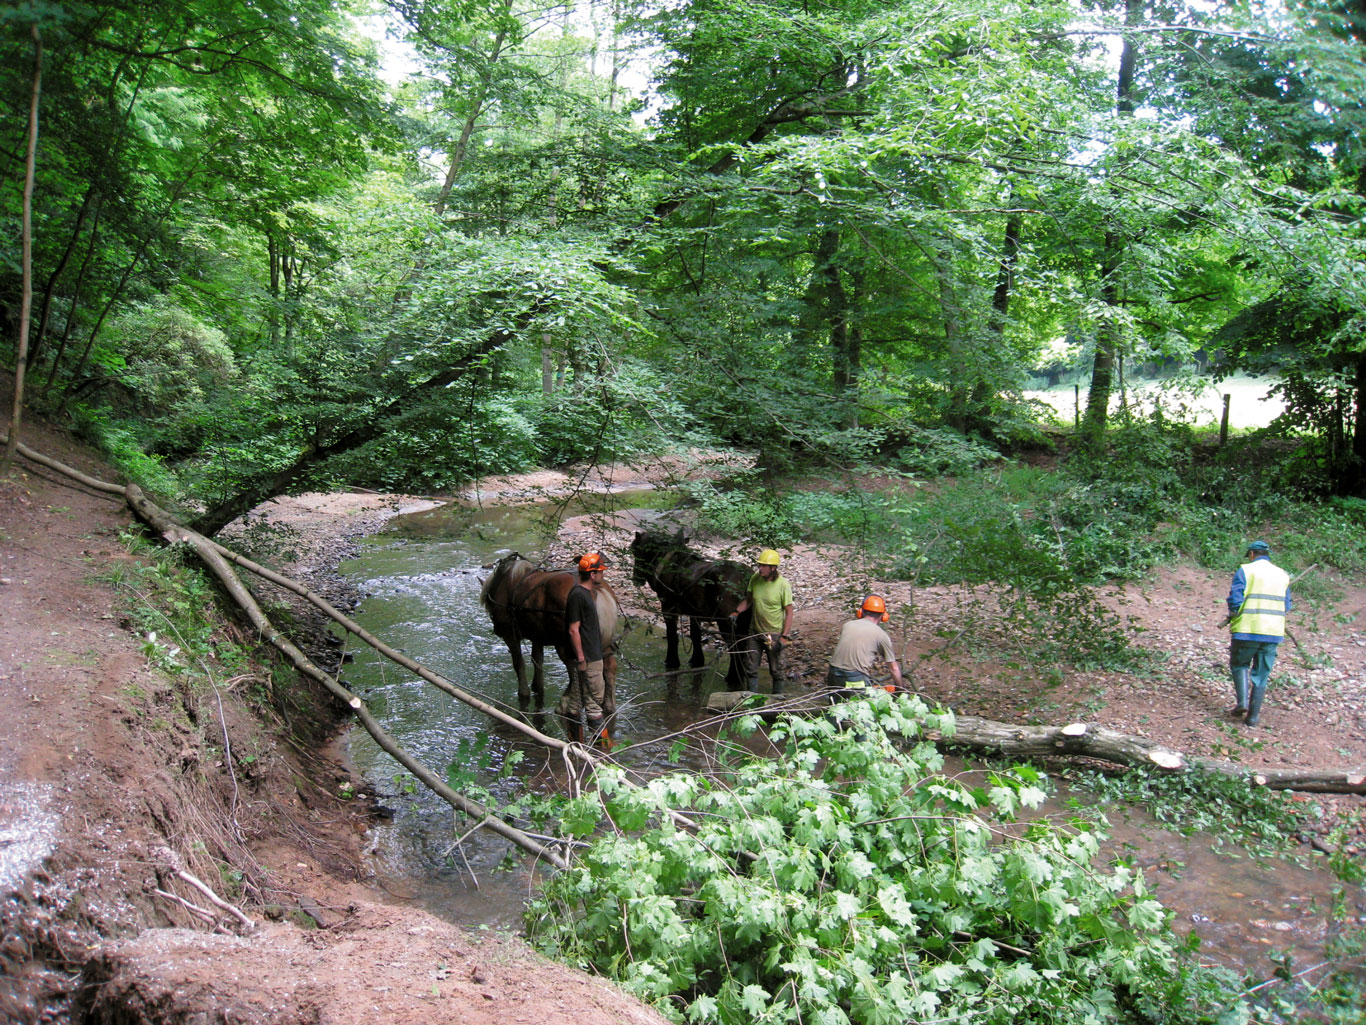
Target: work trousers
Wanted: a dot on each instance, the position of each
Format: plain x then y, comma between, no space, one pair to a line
755,647
586,693
1250,664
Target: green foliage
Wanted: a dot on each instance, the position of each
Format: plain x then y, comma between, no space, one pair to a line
120,443
746,513
473,772
941,452
163,357
848,881
170,604
1233,811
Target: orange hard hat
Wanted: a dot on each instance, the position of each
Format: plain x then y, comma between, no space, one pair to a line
592,561
874,604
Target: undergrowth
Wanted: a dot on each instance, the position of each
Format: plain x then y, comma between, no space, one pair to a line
169,604
847,880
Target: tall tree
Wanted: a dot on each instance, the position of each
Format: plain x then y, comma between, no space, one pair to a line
21,352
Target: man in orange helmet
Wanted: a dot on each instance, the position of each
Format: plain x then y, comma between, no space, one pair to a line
588,687
862,644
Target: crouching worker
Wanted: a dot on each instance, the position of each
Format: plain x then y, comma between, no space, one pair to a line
862,644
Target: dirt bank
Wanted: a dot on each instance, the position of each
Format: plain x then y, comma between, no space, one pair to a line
146,810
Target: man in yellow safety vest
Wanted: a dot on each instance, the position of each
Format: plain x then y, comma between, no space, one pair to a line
1258,602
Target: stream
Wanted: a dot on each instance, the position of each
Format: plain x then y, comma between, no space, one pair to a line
421,579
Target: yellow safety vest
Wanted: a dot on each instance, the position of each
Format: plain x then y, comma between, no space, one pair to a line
1263,608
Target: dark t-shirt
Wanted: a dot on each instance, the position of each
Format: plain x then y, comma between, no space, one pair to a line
580,608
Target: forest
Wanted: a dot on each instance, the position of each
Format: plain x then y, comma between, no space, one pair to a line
252,247
258,247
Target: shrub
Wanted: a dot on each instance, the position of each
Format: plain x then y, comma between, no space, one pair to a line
848,881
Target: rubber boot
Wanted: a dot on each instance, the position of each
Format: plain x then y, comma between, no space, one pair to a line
597,734
1240,690
1254,705
573,729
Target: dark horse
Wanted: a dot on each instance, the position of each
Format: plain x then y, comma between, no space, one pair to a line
527,604
689,584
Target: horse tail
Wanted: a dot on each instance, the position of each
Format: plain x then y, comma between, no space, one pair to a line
609,615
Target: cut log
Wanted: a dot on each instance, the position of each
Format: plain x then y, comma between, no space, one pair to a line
989,736
1074,740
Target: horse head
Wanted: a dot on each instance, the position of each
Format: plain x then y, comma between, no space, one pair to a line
644,557
649,550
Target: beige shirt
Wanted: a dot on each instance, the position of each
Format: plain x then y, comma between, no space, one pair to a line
862,644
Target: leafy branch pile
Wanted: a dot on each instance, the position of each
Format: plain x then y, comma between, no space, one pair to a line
847,880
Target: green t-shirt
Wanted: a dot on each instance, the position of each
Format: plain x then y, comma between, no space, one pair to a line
770,599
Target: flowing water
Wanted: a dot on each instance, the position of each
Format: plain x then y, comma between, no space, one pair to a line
421,580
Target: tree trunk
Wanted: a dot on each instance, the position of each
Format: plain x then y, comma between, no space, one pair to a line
1356,474
26,302
45,309
859,278
1081,740
1005,274
1074,740
962,374
843,373
1108,339
75,303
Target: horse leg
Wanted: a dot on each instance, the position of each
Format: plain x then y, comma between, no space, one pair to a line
519,667
699,654
735,669
538,673
671,641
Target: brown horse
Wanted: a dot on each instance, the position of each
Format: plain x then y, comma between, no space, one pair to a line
527,604
690,584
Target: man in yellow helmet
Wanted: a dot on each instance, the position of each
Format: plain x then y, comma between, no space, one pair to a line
862,644
1258,601
770,596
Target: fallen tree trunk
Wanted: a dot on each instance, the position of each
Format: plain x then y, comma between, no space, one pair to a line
1083,740
1079,740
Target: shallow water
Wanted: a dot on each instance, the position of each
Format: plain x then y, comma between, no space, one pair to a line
421,581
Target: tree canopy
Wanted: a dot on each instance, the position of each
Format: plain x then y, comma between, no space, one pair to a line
574,230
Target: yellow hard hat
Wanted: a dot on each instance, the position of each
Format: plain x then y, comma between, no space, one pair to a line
768,557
